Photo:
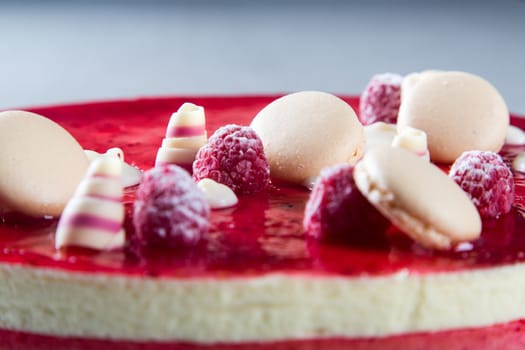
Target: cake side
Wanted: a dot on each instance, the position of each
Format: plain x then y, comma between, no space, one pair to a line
270,307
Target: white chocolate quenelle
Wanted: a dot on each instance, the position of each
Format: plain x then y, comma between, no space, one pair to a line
185,134
93,218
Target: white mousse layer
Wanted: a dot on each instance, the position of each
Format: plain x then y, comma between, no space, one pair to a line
269,307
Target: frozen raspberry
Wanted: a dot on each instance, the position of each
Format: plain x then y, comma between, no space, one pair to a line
234,156
170,210
487,180
381,99
337,211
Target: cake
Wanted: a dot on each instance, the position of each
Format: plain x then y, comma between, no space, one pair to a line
255,282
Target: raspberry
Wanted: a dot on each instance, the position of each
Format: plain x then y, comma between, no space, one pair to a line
487,180
337,211
170,210
381,99
234,156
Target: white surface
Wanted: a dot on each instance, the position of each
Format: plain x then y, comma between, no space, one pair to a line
54,52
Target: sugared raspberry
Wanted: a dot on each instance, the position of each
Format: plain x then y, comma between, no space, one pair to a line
234,156
170,210
487,180
380,100
337,211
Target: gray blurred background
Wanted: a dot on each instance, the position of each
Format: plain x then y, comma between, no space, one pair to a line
62,51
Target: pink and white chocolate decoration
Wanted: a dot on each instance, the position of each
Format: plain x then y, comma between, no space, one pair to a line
130,175
93,217
413,140
185,134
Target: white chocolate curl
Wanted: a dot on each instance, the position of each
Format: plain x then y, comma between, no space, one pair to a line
218,195
185,134
93,217
413,140
131,176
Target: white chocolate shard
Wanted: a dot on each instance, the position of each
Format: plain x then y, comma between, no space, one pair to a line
515,136
94,216
413,140
131,176
379,134
185,134
219,196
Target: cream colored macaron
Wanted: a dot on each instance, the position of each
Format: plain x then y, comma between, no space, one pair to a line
418,197
306,131
458,111
41,164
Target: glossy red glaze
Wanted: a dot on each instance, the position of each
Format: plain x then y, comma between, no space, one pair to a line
262,234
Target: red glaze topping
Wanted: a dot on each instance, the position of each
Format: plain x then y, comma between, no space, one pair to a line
262,234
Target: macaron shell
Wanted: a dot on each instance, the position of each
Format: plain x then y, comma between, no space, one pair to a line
306,131
458,111
41,164
418,197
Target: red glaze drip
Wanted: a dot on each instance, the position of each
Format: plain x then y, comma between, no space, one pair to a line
262,234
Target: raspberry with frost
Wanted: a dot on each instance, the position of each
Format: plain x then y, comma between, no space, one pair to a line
337,211
487,180
234,156
170,210
380,100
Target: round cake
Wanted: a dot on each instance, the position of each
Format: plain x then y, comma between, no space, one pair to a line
255,282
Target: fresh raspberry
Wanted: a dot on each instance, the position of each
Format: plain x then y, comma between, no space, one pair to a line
170,210
381,99
337,211
234,156
487,180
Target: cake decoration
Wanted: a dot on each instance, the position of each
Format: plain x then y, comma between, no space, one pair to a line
336,210
41,164
379,134
219,196
459,112
487,180
417,197
130,175
306,131
518,163
413,140
235,157
185,134
94,216
515,136
380,99
170,210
